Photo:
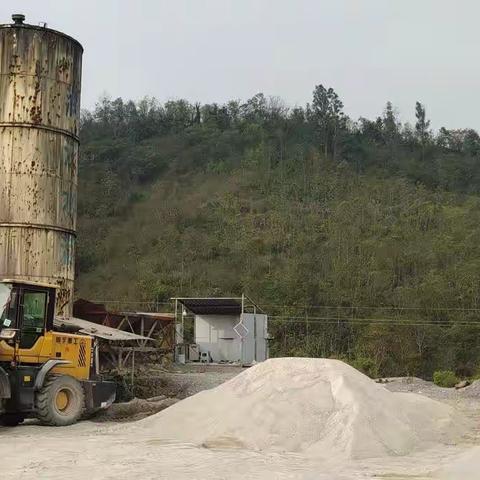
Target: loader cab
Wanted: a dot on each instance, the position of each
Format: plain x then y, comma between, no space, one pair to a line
26,312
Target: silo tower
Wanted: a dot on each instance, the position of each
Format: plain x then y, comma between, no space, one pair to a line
40,82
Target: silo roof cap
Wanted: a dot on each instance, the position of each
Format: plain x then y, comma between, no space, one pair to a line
18,18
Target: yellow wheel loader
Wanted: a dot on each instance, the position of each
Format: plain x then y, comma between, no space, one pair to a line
44,373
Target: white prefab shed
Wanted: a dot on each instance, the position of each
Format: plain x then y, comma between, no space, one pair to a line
226,332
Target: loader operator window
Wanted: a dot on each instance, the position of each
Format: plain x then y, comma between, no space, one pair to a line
8,306
33,317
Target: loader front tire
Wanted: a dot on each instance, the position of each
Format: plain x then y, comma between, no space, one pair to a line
61,401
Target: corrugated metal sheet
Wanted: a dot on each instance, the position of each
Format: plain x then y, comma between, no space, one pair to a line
96,330
213,306
40,78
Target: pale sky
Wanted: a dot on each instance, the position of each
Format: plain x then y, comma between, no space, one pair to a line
369,51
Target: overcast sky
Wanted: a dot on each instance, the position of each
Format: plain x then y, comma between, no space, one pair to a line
369,51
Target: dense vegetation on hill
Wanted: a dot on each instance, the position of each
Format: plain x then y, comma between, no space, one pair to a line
360,238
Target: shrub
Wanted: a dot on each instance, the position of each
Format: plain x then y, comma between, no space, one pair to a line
368,366
445,378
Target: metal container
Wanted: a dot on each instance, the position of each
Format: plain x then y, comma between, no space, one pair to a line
40,80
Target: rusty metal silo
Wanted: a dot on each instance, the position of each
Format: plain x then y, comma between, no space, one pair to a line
40,81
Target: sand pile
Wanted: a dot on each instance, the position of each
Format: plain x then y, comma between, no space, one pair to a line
465,467
323,408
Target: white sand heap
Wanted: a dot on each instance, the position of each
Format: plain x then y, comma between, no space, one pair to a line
464,467
319,407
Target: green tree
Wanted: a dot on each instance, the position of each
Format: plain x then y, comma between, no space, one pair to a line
391,124
329,118
422,126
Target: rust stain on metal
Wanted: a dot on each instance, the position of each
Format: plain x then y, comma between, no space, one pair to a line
40,79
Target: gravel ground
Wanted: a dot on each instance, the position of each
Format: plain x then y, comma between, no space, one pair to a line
429,389
183,381
417,385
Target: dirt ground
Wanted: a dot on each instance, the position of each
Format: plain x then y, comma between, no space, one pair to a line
122,451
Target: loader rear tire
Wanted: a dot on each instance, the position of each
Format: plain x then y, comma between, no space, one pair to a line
61,401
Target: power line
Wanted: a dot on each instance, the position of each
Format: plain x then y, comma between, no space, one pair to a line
378,307
366,319
371,321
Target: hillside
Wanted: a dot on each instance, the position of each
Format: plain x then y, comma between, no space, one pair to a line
373,225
